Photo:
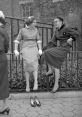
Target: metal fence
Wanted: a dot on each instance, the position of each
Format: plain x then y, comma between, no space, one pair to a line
71,70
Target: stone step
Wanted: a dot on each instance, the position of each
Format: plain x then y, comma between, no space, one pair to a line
47,95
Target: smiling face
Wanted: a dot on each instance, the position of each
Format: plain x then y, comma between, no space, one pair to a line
58,23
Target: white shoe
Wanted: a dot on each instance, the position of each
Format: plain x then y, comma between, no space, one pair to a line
27,90
55,88
35,87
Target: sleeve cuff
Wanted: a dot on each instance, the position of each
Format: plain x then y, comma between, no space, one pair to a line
16,41
39,41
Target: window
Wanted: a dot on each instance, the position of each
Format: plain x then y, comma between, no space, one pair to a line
26,8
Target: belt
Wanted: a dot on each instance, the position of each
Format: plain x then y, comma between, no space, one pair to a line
29,39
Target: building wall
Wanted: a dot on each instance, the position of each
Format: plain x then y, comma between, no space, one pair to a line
46,10
5,6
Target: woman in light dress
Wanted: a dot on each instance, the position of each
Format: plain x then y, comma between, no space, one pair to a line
31,49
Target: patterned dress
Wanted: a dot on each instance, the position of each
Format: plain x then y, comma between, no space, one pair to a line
29,48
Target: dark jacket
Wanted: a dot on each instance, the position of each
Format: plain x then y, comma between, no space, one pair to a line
63,34
4,40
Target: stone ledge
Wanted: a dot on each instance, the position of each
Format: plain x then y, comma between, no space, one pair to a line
47,95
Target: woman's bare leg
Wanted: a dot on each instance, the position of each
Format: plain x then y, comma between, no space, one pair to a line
49,70
27,81
35,74
57,76
3,105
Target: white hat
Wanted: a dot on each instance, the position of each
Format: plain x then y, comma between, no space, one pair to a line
2,14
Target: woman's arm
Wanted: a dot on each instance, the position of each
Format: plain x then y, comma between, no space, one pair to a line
73,33
39,43
17,41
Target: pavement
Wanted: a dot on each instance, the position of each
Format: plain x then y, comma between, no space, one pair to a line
59,104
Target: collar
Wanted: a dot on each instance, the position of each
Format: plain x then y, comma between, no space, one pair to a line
61,27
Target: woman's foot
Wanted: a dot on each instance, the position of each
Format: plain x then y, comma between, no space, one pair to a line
49,73
35,87
27,89
32,102
37,101
55,89
5,111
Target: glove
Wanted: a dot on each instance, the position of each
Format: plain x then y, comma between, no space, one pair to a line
40,52
16,52
69,41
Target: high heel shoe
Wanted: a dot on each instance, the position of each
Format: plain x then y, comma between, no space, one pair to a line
32,102
49,73
5,111
37,101
54,90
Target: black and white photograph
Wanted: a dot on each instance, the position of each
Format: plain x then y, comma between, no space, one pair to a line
40,58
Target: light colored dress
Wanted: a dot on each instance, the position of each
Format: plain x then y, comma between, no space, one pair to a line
29,48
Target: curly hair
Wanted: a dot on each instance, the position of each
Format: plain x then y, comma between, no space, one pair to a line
30,20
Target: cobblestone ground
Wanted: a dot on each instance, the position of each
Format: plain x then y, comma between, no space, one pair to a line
50,107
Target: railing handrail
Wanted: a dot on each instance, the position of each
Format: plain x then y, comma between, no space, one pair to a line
22,19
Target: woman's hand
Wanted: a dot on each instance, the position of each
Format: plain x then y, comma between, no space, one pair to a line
69,41
40,52
16,52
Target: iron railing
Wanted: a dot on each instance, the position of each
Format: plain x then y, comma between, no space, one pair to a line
71,70
71,74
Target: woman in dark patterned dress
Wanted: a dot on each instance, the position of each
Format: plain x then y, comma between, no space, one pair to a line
57,50
4,84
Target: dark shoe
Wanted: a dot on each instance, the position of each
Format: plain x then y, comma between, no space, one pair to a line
5,111
53,91
37,101
49,73
32,102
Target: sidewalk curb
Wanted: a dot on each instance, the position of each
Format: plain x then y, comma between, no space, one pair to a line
46,95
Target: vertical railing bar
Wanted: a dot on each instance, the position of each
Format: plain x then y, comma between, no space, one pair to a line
42,36
47,35
17,33
66,66
47,43
77,70
11,20
10,64
22,67
16,66
52,30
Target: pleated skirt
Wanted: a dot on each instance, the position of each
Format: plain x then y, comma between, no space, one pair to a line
55,56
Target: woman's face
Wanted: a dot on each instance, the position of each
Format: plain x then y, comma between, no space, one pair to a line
34,23
57,23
